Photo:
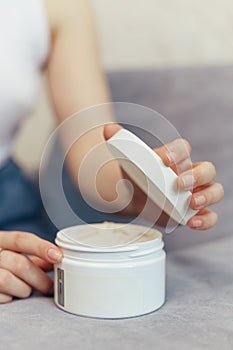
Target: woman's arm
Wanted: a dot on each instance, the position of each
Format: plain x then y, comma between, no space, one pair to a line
76,82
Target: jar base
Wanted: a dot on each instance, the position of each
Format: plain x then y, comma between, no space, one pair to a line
111,317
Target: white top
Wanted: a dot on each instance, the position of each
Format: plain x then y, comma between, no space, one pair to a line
148,171
24,46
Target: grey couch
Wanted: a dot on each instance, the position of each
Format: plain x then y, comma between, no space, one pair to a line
198,313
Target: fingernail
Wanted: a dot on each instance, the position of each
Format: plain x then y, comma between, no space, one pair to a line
199,201
188,181
54,254
171,156
197,223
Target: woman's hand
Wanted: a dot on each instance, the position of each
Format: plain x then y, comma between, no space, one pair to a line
198,178
20,273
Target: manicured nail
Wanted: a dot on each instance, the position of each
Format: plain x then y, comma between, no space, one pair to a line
54,254
171,156
197,223
188,181
199,201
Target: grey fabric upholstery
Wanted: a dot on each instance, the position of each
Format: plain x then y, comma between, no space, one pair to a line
198,313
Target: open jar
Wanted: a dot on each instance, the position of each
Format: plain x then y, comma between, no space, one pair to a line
110,270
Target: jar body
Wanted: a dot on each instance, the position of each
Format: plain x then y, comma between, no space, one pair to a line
110,288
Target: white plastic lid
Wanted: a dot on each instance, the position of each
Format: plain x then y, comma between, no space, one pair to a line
145,168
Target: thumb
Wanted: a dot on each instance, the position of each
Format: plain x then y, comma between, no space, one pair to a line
110,130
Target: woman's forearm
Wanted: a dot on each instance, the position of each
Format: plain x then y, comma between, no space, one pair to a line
76,82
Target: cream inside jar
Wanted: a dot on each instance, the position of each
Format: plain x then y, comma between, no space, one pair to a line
108,234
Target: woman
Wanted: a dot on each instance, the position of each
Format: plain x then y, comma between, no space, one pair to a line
59,37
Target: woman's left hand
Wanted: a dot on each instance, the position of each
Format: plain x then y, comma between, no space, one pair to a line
205,192
197,178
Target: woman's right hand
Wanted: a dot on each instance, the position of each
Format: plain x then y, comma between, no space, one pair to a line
20,273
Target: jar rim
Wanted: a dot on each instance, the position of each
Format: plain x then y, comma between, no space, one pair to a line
151,238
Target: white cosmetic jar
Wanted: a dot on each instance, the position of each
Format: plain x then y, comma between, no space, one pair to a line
110,270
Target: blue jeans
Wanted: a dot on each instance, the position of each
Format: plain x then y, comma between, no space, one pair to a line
21,207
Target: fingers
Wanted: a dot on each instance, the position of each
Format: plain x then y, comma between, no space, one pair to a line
18,273
202,173
183,166
29,243
110,129
176,155
207,196
4,298
205,193
42,264
204,220
13,286
24,270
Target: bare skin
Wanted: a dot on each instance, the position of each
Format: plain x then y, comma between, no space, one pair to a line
19,273
76,81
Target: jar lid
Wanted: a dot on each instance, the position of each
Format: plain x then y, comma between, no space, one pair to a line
149,172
